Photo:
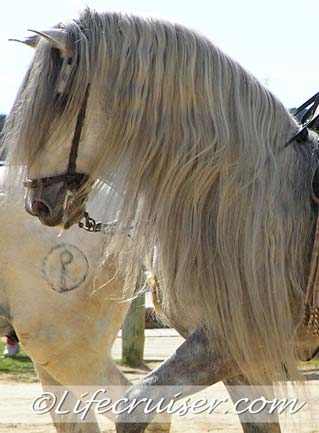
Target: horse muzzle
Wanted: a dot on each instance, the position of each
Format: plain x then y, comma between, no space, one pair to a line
54,205
42,210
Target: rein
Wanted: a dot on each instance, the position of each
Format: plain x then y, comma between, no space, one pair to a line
307,109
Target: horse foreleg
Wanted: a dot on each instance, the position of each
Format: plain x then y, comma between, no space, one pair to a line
235,390
72,424
193,364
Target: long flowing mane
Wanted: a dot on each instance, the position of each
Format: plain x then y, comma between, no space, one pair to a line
195,143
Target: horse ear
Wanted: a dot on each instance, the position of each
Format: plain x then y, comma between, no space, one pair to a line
57,38
30,41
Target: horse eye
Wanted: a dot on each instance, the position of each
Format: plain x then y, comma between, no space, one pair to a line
69,61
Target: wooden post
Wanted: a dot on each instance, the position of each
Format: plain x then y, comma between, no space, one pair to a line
133,333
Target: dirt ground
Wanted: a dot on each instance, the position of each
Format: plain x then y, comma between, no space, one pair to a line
16,396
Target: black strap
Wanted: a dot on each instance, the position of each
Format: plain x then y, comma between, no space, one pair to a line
313,123
313,100
77,134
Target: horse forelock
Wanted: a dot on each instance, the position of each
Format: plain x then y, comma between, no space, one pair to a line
194,142
39,108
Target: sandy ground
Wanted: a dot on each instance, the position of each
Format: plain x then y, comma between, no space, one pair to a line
17,394
18,391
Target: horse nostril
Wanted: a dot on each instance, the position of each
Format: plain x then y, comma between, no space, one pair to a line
41,208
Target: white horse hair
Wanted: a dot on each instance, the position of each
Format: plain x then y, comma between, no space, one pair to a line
196,144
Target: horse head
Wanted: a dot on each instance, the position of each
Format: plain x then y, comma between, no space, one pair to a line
57,182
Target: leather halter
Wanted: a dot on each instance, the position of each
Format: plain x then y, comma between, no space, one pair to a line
71,178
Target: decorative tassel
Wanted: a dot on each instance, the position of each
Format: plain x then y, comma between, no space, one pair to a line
153,284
